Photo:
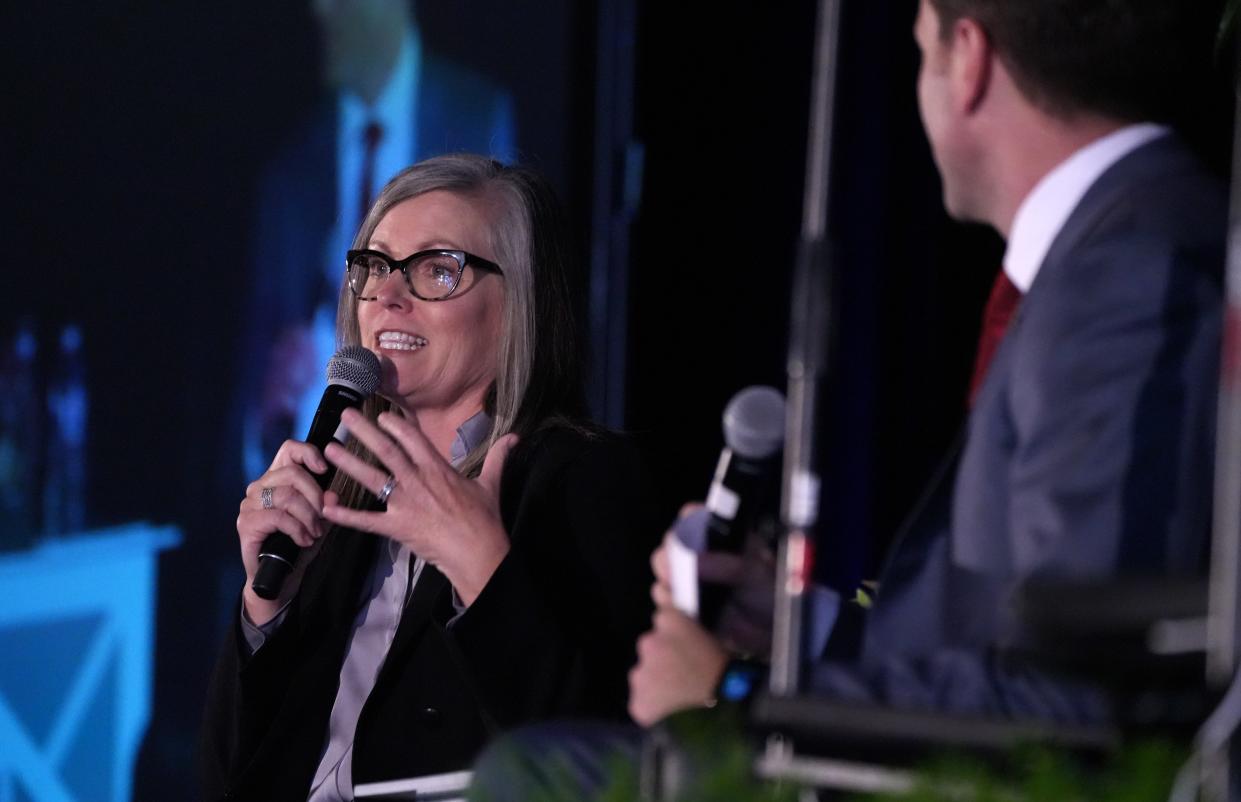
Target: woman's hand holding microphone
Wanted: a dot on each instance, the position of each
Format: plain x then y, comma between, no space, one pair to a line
451,521
284,499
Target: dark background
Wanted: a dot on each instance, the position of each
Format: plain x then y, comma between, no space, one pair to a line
136,132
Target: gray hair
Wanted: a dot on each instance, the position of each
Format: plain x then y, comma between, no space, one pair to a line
538,369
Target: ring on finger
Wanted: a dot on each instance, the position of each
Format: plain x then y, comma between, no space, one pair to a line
266,498
387,489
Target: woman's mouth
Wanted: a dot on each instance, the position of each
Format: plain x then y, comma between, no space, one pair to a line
400,341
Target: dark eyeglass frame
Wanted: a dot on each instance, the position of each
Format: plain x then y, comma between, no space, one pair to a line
462,258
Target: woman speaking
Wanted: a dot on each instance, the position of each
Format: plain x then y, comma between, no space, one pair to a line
504,577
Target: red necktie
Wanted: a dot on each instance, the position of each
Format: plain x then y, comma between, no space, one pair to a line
370,144
1000,307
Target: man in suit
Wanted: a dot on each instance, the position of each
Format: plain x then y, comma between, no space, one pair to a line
1088,449
391,101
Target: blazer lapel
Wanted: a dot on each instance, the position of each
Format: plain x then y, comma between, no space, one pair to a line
432,596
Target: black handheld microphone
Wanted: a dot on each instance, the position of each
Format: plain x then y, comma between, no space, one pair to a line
352,375
746,481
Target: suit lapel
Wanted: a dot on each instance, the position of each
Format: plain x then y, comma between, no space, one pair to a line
326,585
913,575
432,596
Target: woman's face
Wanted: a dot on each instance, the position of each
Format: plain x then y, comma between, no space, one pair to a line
437,355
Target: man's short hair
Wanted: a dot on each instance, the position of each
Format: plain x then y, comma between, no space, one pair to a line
1124,59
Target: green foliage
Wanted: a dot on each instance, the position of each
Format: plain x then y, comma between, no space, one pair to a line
549,776
719,761
718,758
623,786
1142,772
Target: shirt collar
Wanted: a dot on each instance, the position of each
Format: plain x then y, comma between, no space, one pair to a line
470,435
1045,210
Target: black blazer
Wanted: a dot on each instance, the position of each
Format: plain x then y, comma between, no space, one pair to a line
551,635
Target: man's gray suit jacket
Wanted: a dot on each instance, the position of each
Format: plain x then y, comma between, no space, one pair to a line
1088,453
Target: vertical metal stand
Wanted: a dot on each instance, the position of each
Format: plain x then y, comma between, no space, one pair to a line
1224,612
809,329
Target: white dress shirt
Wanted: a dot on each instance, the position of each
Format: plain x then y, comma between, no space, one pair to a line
1043,213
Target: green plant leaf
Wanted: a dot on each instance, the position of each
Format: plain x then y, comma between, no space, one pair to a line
1141,772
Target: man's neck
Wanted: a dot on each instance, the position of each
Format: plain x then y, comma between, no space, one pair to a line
1030,148
1047,207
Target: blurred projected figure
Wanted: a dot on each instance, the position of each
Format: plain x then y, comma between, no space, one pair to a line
392,100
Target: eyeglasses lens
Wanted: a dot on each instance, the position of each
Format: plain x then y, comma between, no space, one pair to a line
434,276
366,274
431,277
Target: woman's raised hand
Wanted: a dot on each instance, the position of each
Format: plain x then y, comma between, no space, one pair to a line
445,518
284,499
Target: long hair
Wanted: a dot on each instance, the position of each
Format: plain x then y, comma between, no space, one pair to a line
539,366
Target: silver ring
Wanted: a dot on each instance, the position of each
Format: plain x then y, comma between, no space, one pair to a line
386,490
266,498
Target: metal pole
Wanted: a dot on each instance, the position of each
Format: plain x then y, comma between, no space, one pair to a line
809,329
1224,605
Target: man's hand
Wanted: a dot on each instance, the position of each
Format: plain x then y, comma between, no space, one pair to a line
679,662
745,624
679,665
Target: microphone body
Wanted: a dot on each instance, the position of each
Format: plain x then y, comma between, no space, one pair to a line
745,485
353,375
742,485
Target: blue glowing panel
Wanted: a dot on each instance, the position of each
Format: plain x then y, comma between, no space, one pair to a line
87,769
76,639
41,661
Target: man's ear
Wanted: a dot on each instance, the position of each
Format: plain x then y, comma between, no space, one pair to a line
972,63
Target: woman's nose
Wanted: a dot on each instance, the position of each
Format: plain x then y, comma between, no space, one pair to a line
393,291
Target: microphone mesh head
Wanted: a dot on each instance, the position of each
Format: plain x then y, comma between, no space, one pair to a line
754,422
356,367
